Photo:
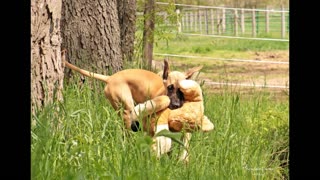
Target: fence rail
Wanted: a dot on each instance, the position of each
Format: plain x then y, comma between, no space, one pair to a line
237,37
220,59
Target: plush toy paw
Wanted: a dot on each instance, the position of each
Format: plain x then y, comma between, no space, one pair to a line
161,144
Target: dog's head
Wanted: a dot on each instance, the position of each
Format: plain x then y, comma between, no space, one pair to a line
171,79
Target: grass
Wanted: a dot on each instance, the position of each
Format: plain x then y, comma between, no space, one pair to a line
216,47
83,138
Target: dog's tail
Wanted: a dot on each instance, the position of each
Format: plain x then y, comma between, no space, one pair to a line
100,77
87,73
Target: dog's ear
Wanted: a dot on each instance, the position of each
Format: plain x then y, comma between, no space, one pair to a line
191,71
165,70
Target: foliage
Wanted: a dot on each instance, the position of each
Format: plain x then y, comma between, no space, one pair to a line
165,26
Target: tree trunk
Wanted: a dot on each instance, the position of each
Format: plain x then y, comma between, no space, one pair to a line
148,32
46,67
91,34
127,22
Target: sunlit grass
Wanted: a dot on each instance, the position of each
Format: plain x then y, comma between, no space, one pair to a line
216,47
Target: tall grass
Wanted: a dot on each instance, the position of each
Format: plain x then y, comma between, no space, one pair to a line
83,138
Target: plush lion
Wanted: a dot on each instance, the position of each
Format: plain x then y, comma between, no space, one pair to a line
190,116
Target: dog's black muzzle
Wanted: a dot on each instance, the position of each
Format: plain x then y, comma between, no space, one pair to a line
135,126
176,98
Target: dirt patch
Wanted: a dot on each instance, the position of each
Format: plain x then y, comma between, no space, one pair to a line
271,73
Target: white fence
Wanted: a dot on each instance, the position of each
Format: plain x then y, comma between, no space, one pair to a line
239,22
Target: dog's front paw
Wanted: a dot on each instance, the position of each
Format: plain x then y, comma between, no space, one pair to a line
135,126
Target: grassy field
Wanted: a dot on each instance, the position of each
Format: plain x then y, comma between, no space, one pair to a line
215,47
82,138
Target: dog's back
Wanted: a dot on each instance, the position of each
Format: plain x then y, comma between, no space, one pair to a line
143,84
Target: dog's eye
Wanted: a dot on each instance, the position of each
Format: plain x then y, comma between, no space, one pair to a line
170,88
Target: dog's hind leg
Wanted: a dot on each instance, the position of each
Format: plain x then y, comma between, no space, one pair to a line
122,102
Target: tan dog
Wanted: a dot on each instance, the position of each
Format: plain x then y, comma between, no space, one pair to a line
127,87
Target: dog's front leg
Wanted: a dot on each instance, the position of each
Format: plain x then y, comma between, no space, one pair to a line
150,107
186,142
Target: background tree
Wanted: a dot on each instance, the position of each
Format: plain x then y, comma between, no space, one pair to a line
98,35
46,67
148,32
127,23
91,34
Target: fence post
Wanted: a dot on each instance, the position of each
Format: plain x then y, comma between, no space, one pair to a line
223,20
254,33
183,21
267,20
257,22
206,21
283,23
236,22
188,21
288,24
200,22
219,22
196,20
242,22
178,20
212,21
191,17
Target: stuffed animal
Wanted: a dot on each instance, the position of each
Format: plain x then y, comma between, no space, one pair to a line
190,116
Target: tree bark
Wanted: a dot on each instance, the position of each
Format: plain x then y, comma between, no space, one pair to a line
148,32
91,35
46,67
127,22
